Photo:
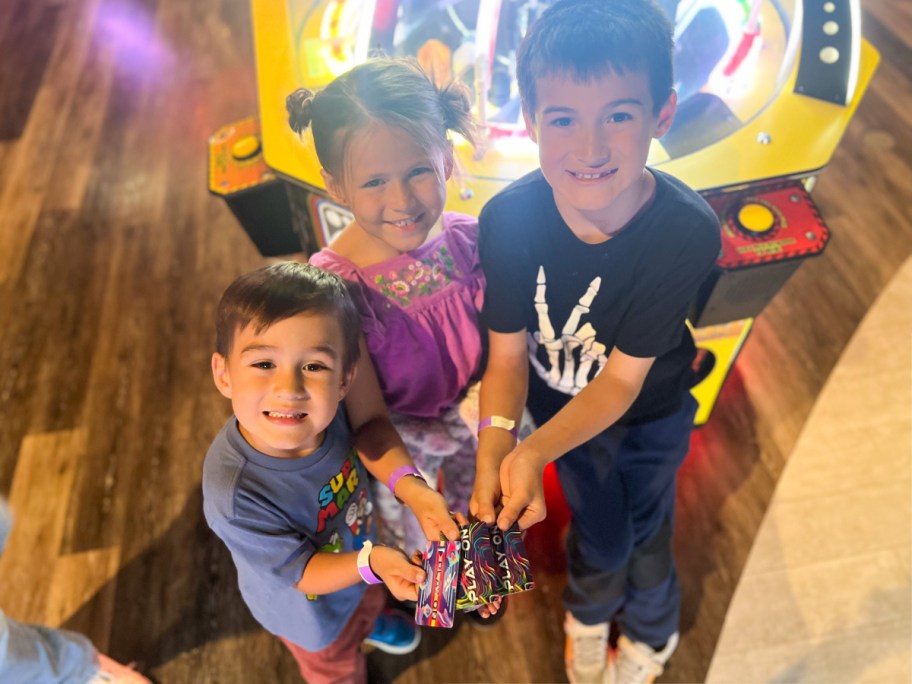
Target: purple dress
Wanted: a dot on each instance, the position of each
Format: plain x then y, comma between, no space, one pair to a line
420,317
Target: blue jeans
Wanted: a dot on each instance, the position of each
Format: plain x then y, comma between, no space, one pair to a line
30,654
620,487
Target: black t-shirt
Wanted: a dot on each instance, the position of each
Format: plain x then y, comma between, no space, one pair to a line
578,301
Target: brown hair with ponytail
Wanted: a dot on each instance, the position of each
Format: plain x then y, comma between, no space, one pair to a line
391,91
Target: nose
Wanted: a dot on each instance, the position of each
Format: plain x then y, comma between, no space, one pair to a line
290,383
400,196
594,149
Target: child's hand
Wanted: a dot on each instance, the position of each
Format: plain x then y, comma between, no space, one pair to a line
430,508
521,475
401,576
485,495
491,608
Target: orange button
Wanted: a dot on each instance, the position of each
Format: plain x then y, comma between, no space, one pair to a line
755,218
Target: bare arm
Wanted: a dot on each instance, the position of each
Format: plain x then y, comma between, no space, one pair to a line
598,406
382,451
503,393
327,572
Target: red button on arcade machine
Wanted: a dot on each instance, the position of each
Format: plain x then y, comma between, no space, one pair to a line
766,234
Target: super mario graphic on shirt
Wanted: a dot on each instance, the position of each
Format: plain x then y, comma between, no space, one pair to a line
335,494
346,491
358,518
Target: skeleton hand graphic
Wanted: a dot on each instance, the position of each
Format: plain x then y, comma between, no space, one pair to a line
569,378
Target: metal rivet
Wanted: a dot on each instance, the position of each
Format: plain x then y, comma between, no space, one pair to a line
829,55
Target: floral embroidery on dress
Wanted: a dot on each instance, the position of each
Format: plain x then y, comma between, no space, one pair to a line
421,278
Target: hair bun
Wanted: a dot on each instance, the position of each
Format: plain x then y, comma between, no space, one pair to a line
456,102
298,105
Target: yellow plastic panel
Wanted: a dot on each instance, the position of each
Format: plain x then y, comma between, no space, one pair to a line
724,342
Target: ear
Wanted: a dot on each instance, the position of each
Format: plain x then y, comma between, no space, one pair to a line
347,381
335,189
529,120
666,115
449,161
220,375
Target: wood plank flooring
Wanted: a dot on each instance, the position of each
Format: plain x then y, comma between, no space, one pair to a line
112,258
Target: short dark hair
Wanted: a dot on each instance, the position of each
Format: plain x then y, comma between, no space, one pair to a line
273,293
586,38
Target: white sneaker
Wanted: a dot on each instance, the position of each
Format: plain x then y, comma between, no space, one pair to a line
585,651
637,663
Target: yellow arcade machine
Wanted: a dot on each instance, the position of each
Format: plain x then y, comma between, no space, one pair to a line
766,89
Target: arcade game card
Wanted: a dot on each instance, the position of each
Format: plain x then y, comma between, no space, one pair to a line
478,579
513,568
437,596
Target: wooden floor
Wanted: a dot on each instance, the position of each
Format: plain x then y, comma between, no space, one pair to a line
113,255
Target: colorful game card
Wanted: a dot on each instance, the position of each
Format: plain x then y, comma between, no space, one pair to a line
513,569
437,596
478,580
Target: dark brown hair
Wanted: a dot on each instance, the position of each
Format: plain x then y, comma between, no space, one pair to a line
273,293
584,39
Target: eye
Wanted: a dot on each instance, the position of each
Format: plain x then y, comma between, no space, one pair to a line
419,171
314,367
263,365
373,183
562,122
620,117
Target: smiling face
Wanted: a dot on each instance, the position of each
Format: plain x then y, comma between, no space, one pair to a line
593,139
395,188
285,382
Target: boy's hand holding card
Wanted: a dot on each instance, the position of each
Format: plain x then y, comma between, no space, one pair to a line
484,565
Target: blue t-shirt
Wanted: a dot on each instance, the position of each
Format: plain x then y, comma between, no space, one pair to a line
273,514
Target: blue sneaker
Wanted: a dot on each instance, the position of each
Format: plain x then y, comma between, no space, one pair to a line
394,632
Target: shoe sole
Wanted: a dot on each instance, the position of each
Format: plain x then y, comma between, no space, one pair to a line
396,650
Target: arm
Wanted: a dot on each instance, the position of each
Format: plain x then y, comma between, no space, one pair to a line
327,572
382,451
503,393
612,392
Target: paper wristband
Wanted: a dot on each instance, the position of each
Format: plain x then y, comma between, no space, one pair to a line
364,566
399,473
499,422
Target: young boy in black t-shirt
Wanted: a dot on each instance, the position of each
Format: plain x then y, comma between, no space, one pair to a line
591,264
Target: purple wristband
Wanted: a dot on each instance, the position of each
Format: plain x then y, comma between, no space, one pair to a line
364,566
399,473
499,422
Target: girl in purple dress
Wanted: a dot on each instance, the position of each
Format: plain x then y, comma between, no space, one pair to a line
381,135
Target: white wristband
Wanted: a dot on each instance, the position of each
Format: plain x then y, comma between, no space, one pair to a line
364,566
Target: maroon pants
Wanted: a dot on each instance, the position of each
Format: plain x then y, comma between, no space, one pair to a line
342,661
